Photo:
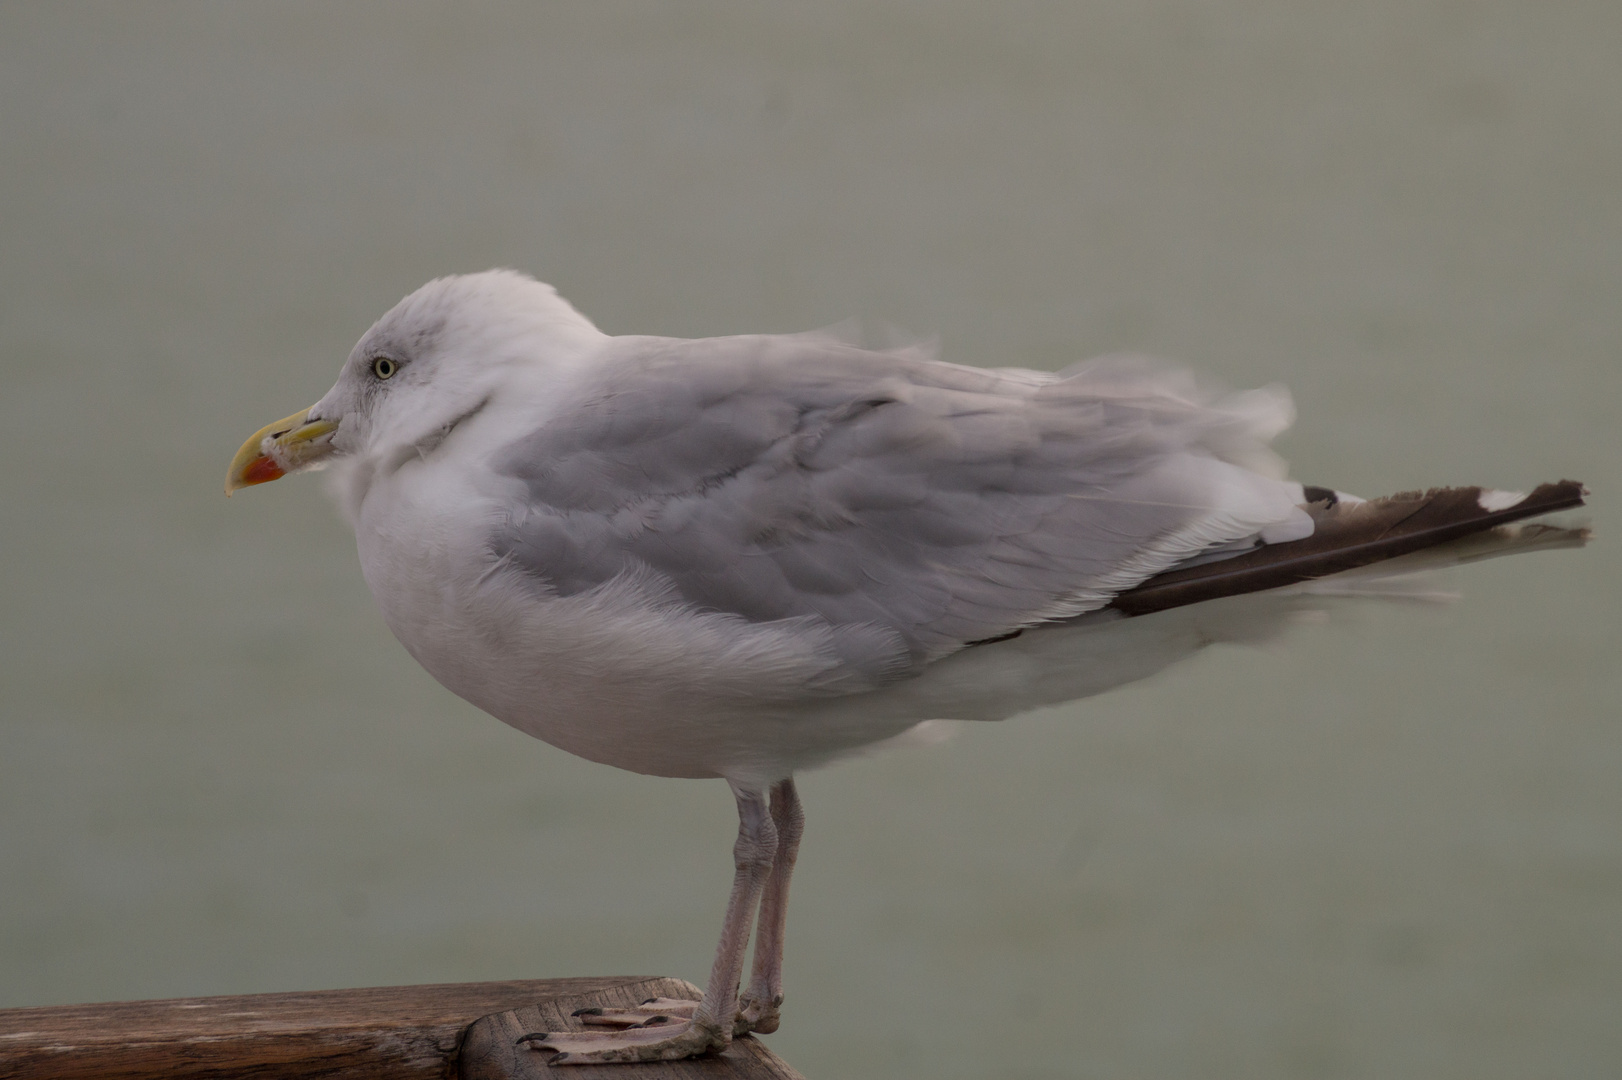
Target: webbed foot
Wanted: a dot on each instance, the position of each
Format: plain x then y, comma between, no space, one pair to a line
657,1036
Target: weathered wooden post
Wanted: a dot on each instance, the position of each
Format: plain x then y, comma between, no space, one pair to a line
455,1031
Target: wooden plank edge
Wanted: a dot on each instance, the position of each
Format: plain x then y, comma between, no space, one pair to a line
400,1031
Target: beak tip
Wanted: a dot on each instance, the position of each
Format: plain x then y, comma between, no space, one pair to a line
260,470
293,439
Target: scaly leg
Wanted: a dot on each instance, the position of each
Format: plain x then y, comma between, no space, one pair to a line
758,1009
758,1006
706,1032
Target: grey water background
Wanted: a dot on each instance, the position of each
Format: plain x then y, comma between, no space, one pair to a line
1389,845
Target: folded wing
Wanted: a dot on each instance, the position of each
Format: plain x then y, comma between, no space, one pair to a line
913,506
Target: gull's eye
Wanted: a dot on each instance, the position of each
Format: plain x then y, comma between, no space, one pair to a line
383,367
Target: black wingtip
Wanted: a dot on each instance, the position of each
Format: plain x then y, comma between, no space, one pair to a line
1347,536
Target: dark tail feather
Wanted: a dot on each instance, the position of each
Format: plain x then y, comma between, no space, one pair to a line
1348,535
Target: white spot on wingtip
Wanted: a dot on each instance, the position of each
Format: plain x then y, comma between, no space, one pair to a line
1494,501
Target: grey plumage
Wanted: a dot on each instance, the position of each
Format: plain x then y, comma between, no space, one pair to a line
914,505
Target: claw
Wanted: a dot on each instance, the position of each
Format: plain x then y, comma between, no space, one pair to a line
532,1035
757,1015
629,1018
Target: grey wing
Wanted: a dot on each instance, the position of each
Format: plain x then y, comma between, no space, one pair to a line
784,477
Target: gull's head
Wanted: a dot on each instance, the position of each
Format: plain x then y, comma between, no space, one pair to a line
437,358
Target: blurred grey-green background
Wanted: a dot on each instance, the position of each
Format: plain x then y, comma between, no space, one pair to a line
1388,846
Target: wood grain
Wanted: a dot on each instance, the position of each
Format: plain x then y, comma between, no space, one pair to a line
403,1032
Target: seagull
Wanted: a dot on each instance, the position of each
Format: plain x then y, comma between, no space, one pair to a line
743,557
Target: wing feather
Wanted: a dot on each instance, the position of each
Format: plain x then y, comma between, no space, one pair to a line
795,477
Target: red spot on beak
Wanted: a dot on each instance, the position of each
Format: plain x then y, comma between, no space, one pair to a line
261,470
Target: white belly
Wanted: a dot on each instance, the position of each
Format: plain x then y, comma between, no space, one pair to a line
623,674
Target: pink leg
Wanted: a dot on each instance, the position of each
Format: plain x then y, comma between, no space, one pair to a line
761,1002
752,858
710,1028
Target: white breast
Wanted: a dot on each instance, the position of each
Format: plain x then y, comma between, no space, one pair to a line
625,674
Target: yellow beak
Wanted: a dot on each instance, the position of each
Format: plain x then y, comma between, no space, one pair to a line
278,449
